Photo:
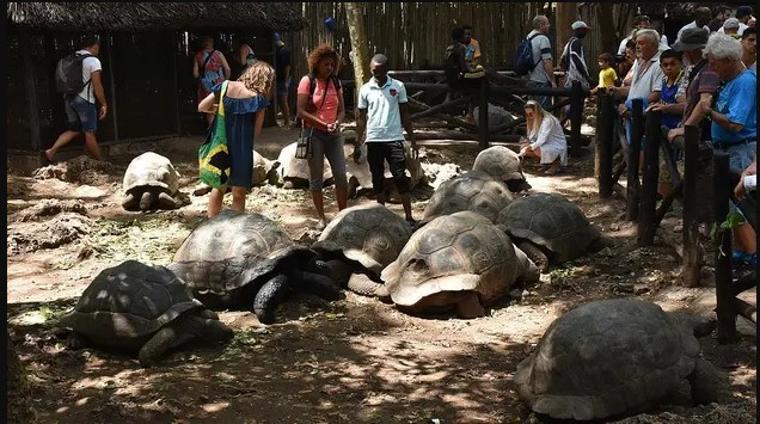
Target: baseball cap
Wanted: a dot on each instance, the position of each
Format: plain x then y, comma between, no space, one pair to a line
731,23
579,25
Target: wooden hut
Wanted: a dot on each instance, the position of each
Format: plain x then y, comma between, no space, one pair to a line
146,51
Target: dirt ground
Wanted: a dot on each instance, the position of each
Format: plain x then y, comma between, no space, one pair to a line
354,360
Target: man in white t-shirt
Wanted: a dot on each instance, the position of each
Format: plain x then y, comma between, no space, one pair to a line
743,15
542,74
382,112
642,22
702,16
82,113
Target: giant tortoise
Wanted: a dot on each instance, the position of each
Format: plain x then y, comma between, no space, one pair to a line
238,260
360,178
474,190
359,242
150,182
135,307
615,356
502,164
294,173
549,228
460,260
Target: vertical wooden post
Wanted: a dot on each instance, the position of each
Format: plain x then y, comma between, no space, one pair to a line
723,273
604,137
576,115
648,203
633,189
114,118
30,84
275,97
483,114
692,258
175,79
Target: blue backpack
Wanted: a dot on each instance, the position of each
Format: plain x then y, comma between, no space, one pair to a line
523,61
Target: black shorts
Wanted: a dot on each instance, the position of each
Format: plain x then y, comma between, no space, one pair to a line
379,152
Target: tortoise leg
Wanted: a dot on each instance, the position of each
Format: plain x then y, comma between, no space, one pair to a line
211,330
269,296
362,284
707,382
469,306
146,200
535,254
76,341
529,271
317,284
130,202
172,335
166,202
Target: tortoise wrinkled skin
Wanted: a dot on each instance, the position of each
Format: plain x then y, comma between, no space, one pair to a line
454,253
605,358
551,221
371,235
474,191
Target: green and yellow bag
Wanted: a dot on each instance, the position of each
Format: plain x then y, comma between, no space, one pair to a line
213,155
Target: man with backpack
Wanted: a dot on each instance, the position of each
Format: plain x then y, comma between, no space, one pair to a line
210,67
534,59
78,78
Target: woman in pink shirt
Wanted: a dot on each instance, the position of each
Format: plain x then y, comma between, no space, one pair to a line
320,107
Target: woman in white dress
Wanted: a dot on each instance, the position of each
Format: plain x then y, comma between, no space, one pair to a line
546,139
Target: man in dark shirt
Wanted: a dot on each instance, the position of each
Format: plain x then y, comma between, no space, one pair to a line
283,78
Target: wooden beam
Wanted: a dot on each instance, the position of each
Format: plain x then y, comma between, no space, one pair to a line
633,152
746,310
443,106
692,253
604,143
30,83
112,84
647,206
725,298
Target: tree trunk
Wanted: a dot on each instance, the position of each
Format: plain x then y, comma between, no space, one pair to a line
359,45
607,27
567,13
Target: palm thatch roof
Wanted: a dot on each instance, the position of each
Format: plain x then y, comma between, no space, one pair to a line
128,16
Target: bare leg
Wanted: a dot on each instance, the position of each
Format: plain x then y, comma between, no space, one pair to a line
238,199
63,139
316,196
285,109
209,118
341,194
745,238
215,202
380,197
406,201
91,143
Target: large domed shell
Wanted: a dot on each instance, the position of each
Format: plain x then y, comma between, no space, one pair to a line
552,221
130,300
262,168
151,169
361,172
297,169
604,358
370,234
500,163
459,252
474,191
233,249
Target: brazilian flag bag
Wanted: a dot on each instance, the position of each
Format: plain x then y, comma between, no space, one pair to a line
213,155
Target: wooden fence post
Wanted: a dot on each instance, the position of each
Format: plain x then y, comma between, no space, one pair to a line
483,114
692,258
604,136
723,273
633,189
648,204
576,116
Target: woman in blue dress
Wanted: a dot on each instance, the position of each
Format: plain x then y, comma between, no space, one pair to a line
244,104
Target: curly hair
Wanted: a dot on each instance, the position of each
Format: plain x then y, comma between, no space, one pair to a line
258,77
323,51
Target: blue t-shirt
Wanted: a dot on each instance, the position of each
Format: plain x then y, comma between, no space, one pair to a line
668,96
737,100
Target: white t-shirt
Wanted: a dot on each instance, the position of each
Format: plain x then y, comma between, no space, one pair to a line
542,50
750,182
89,65
647,81
382,106
742,27
692,24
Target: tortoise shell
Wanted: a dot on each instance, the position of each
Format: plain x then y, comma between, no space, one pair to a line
474,191
151,169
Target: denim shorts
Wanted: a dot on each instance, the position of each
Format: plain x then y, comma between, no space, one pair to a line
740,155
81,115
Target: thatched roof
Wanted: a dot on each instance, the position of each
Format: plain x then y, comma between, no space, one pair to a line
125,16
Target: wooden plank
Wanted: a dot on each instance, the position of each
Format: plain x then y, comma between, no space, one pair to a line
648,202
483,115
30,83
604,143
633,152
746,310
725,299
692,253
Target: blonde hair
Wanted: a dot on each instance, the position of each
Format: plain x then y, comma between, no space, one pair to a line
532,127
258,77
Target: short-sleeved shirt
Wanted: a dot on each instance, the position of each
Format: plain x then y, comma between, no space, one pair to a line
740,108
668,95
89,65
383,112
607,77
699,79
645,81
472,50
283,60
542,50
326,108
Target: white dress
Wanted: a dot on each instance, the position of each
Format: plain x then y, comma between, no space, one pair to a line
551,139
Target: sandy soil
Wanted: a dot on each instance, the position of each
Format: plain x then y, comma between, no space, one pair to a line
355,360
